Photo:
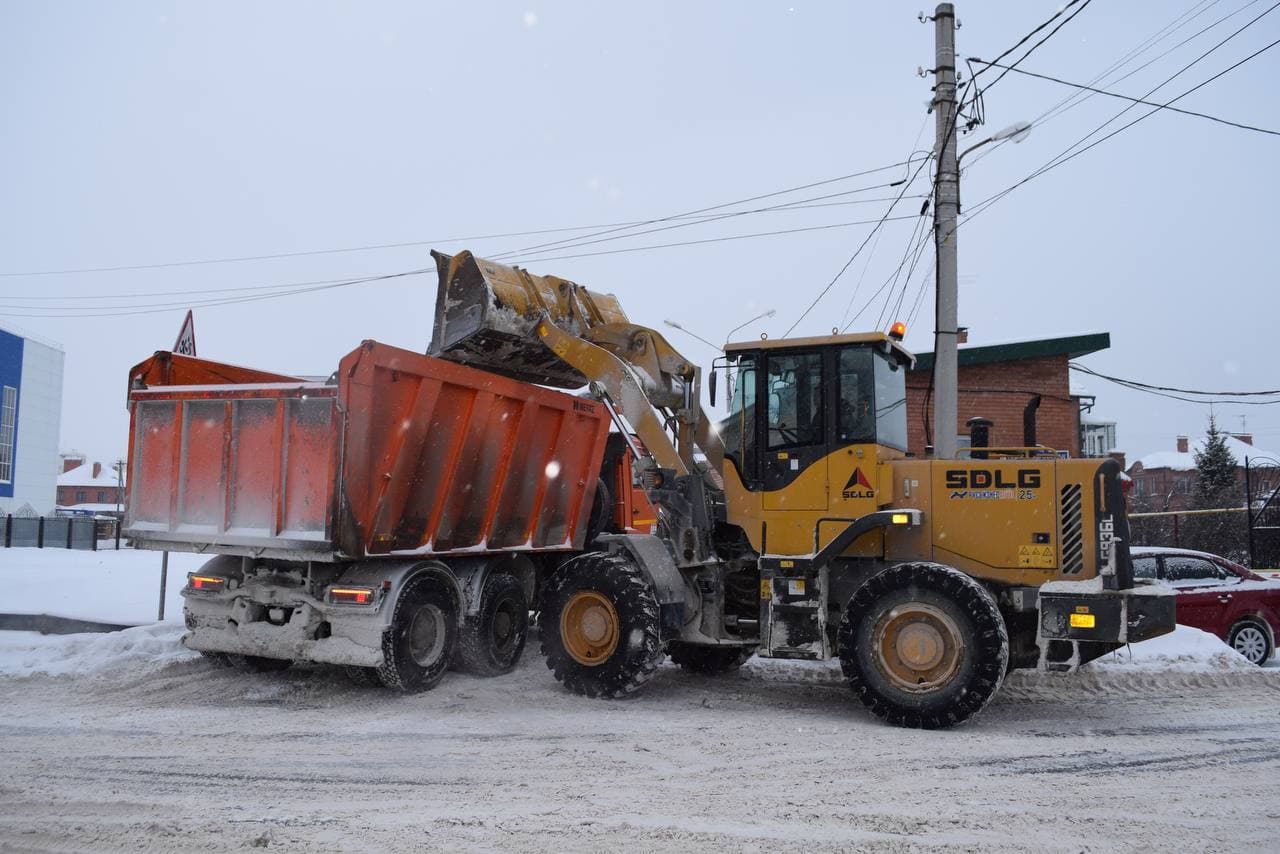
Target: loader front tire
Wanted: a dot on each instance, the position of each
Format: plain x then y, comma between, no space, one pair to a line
708,660
923,645
600,626
417,648
492,640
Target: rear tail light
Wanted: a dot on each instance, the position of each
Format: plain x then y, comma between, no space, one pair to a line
351,595
207,583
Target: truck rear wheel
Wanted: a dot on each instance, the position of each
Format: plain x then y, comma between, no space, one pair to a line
416,650
923,645
708,660
600,627
491,641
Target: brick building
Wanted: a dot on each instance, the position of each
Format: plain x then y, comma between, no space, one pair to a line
1166,480
87,483
998,382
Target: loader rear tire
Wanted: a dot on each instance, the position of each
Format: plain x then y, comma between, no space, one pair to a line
708,660
491,642
599,626
417,648
923,645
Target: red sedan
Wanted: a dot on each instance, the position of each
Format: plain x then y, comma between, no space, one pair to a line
1218,596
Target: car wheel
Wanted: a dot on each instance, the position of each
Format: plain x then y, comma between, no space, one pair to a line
1251,639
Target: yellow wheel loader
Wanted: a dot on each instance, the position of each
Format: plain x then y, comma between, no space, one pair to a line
799,527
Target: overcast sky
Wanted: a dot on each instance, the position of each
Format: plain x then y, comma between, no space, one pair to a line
147,133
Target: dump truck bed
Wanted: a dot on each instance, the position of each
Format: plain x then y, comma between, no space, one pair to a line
400,454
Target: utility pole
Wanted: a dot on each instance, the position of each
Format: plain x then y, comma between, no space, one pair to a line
946,208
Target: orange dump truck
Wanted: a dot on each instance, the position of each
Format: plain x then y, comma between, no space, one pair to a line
390,518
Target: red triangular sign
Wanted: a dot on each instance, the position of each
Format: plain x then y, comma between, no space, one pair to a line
186,343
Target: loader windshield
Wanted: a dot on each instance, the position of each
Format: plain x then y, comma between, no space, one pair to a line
817,400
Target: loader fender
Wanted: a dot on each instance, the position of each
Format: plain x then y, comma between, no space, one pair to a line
651,554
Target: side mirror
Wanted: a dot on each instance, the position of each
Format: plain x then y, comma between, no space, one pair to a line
711,385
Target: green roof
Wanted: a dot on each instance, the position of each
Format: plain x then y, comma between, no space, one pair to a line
1073,347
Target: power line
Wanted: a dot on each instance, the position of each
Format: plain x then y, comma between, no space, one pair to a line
877,222
575,243
1031,34
1134,100
113,311
1077,98
1084,370
735,203
1064,156
120,311
983,89
886,218
411,243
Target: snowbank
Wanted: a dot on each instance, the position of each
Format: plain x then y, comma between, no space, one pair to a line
110,586
31,654
1184,650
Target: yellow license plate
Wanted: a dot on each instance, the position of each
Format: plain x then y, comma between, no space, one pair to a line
1083,621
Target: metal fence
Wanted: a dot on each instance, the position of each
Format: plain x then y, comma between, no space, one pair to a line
59,532
1248,536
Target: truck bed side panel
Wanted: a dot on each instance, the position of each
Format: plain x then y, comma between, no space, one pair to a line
442,458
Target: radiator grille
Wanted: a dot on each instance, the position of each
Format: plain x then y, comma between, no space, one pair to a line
1072,530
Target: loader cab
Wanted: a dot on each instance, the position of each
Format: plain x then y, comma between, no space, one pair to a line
794,402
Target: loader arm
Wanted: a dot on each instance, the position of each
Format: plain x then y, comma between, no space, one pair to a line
550,331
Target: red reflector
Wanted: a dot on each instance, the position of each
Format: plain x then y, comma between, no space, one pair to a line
350,595
206,582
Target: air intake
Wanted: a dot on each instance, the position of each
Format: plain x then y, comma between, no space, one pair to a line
1072,530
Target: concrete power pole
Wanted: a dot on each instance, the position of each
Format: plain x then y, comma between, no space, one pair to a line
945,210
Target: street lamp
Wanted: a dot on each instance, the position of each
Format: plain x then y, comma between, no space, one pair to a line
1015,133
675,325
770,313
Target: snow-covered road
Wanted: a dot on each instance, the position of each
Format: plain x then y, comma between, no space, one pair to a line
186,756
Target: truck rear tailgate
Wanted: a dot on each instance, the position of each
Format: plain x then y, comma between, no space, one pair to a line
248,465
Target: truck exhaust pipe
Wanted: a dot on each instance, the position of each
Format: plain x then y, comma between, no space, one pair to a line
979,436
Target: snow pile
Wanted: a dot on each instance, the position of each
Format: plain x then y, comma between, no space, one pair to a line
109,586
32,654
1185,650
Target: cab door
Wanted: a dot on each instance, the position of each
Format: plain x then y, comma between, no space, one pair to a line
794,449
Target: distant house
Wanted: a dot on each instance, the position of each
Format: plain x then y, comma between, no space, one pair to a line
1165,480
87,484
1010,384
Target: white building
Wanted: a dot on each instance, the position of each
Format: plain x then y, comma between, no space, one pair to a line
30,421
1097,438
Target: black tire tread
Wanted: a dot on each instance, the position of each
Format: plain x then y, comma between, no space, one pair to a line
633,597
404,679
990,632
475,653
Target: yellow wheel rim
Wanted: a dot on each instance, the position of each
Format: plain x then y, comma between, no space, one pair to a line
918,647
590,628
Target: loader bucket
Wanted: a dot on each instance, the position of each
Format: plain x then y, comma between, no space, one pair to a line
486,314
